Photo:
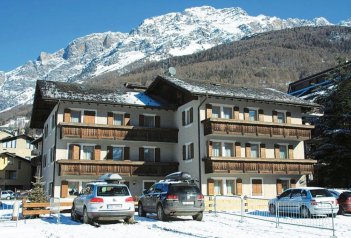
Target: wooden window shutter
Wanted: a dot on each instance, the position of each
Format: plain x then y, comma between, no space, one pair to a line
246,114
291,151
275,116
256,187
109,152
67,115
208,111
126,153
109,118
141,120
237,149
127,119
191,115
74,152
209,148
276,151
192,150
141,153
288,117
64,189
279,186
184,152
97,152
292,183
248,150
263,150
239,186
210,187
260,115
157,121
236,113
89,117
183,118
157,155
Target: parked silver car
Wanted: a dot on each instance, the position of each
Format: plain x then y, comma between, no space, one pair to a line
305,202
7,194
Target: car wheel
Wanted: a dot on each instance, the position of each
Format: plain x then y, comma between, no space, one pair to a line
160,213
141,212
74,215
86,219
341,211
129,220
272,209
304,212
198,217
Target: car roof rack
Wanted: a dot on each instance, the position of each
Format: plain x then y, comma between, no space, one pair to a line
178,177
110,178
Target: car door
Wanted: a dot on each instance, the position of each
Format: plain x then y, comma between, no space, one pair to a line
155,196
148,198
79,201
283,201
295,201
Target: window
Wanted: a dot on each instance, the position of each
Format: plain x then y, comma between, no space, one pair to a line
218,187
10,160
254,151
189,151
53,121
52,153
230,185
9,144
285,184
283,152
216,111
117,153
256,187
147,184
228,150
75,116
149,121
10,174
149,154
252,115
222,112
46,130
216,149
19,165
187,116
227,112
281,117
44,160
88,152
118,119
73,188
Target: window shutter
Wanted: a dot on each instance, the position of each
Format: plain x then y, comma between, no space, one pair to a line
183,118
236,113
260,115
279,186
208,111
157,121
127,119
291,151
192,150
246,114
248,150
256,187
276,151
210,187
237,149
67,115
97,152
288,117
109,152
157,155
109,118
126,153
263,150
141,120
239,186
64,189
74,152
275,116
89,117
292,183
141,153
209,148
184,152
191,115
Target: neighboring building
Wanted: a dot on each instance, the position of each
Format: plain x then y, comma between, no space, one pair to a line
4,134
15,172
234,140
19,145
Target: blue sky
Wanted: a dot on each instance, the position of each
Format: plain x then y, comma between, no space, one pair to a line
31,26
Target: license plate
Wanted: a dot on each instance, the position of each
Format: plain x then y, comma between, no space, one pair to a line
187,203
114,206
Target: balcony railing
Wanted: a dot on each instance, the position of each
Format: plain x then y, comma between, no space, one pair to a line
259,166
75,130
256,128
124,168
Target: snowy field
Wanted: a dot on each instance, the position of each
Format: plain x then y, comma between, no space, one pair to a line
222,225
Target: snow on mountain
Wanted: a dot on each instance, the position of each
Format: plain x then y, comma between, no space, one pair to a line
156,38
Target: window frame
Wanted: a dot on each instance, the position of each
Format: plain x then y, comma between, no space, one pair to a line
258,144
154,149
262,187
286,150
188,151
283,112
255,109
188,119
118,146
154,120
114,113
221,110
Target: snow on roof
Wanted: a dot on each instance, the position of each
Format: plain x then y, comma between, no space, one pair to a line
84,92
228,90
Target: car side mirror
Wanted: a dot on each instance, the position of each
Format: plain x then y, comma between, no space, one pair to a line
145,191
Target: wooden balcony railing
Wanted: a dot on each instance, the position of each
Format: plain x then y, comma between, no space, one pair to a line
258,166
256,128
124,168
75,130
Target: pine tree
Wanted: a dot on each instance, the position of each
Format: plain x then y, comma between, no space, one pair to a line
37,194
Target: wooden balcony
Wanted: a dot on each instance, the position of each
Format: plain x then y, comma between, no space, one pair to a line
124,168
258,166
255,128
84,131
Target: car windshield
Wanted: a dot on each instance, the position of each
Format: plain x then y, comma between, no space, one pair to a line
320,193
184,189
109,191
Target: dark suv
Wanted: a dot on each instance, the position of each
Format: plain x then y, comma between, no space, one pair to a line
177,195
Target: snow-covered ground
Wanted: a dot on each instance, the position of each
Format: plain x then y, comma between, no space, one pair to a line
220,225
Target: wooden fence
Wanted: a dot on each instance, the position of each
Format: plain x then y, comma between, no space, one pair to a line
41,208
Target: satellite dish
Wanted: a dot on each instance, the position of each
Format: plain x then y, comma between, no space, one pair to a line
172,71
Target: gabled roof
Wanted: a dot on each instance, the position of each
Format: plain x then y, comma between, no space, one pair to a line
15,156
203,88
9,138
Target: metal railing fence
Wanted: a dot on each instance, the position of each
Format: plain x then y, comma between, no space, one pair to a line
9,213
